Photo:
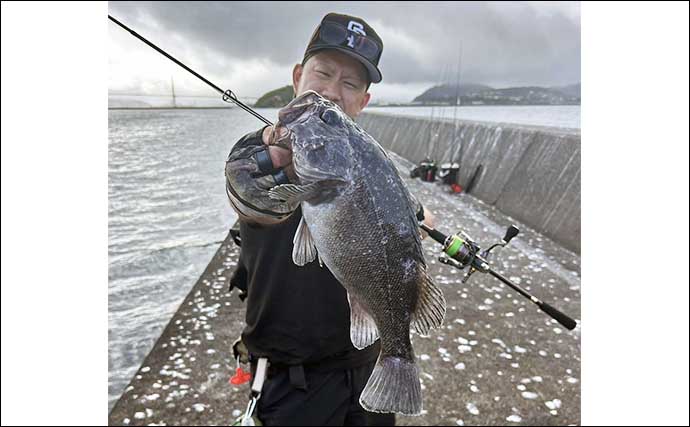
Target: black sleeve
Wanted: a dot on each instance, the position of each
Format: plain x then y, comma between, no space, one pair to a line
420,212
239,278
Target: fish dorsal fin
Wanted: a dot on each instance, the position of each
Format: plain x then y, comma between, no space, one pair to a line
303,249
431,307
363,330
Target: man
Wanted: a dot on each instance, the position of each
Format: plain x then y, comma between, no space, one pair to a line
299,317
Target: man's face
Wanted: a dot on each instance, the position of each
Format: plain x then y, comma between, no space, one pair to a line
335,76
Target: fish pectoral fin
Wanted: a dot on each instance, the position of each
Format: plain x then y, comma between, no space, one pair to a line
290,193
431,307
363,330
293,193
303,248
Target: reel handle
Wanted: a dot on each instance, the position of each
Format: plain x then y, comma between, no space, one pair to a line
511,232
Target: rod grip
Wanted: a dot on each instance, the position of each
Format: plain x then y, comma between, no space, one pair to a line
563,319
433,233
436,235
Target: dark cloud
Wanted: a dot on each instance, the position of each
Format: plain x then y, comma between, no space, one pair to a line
502,43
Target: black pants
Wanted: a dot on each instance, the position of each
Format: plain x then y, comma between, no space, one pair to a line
330,399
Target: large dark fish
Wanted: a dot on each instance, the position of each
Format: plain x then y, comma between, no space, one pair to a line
358,219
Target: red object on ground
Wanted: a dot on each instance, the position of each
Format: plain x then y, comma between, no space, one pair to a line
240,377
456,188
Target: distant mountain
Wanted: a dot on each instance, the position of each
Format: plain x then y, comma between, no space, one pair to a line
276,98
447,92
569,90
475,94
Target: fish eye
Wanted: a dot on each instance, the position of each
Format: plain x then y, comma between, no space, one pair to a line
331,117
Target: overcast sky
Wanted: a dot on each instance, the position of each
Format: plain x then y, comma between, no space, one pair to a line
251,47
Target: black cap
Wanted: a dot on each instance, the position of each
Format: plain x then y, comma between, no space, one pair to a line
352,36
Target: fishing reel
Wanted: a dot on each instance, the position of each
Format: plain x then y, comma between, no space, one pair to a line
462,251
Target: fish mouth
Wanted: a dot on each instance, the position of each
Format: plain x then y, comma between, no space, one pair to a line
299,109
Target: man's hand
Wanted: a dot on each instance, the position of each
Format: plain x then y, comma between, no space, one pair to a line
279,169
429,221
239,350
279,150
254,166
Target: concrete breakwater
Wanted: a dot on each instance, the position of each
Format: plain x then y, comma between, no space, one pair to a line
530,173
496,359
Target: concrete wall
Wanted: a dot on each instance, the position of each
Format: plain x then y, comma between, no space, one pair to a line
530,173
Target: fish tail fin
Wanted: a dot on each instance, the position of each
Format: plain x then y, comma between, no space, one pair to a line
393,387
431,307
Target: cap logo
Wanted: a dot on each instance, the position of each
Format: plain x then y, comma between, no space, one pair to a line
355,27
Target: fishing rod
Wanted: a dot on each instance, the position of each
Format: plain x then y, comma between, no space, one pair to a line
228,95
461,252
455,110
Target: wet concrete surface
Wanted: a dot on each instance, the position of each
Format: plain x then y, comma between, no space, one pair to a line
498,360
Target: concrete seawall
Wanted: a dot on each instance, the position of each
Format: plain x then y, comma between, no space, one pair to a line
496,359
530,173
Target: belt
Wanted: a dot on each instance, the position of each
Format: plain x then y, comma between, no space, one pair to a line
295,373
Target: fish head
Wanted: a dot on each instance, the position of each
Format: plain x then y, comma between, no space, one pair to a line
318,133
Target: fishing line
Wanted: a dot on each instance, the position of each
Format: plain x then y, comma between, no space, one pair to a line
228,95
